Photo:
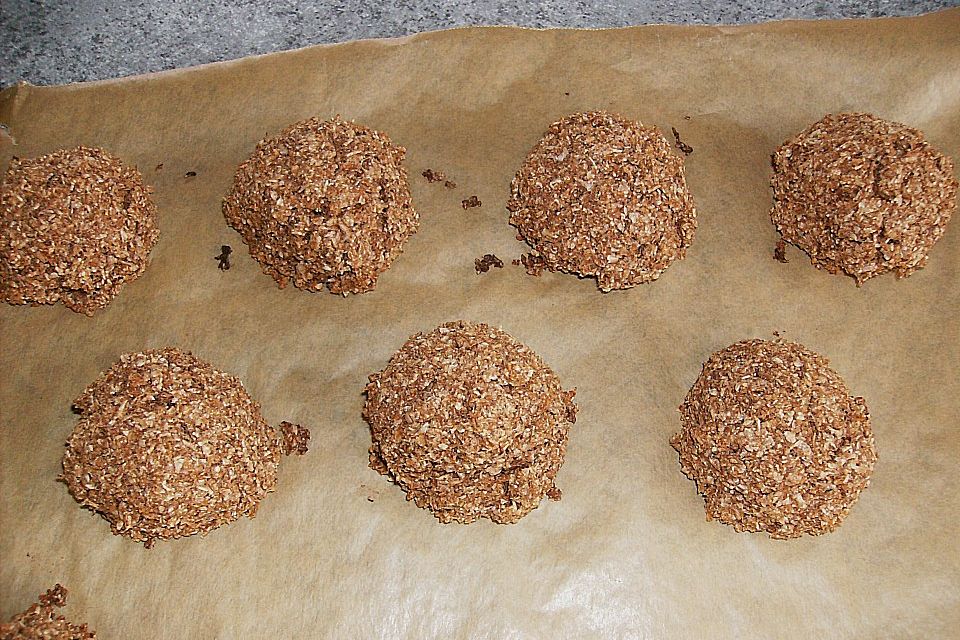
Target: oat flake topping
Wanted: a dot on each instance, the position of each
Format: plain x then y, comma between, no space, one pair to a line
602,196
42,622
324,204
75,226
470,423
167,446
774,440
862,196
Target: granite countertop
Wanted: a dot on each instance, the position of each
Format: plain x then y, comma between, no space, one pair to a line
61,41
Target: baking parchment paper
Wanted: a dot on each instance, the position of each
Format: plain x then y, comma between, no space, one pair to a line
336,551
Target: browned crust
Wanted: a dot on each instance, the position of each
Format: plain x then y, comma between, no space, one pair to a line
325,204
42,622
167,446
862,196
602,196
470,423
774,440
75,226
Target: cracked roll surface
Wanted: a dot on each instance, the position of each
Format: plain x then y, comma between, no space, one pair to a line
774,440
862,196
602,196
167,446
324,204
42,622
75,226
470,423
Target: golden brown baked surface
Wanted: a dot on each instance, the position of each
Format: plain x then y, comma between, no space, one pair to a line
42,622
167,446
470,423
75,226
862,196
324,204
602,196
774,440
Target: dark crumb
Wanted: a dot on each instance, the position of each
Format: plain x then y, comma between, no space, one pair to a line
191,174
224,257
483,264
56,597
433,176
780,251
683,146
534,264
566,93
158,167
438,176
295,438
686,117
471,202
369,499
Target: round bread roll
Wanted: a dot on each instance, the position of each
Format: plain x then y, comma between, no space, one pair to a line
167,446
602,196
75,226
324,204
470,423
862,196
774,441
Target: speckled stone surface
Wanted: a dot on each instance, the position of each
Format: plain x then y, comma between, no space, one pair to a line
55,42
